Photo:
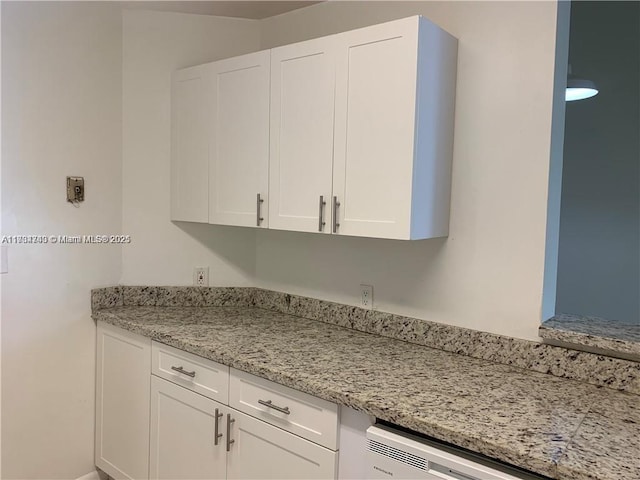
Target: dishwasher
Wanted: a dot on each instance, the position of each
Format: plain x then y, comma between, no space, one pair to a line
394,454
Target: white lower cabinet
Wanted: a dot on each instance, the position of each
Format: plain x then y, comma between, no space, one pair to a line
158,419
197,430
122,403
183,436
193,437
262,451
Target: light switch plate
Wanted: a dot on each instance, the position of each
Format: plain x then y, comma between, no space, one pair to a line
75,189
4,258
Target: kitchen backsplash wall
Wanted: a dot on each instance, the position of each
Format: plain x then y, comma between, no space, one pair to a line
488,274
163,252
583,366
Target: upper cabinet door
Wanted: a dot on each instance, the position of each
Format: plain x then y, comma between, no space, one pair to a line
395,88
239,149
301,160
190,145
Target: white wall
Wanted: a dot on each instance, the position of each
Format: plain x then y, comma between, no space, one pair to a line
61,115
164,253
599,256
3,269
488,274
85,91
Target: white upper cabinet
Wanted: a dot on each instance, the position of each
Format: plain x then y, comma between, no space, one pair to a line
373,109
190,145
350,134
394,110
239,136
301,159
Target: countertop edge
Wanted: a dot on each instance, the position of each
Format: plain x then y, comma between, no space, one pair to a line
595,333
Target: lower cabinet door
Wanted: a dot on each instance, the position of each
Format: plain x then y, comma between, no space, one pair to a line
123,368
183,428
260,450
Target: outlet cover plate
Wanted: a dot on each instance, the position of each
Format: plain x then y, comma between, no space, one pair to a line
201,276
366,296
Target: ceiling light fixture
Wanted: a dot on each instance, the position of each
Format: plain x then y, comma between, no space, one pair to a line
579,88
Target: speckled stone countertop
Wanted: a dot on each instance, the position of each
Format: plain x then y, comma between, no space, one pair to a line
594,332
556,427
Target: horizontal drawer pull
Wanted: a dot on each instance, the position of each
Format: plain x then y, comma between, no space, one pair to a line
183,371
267,403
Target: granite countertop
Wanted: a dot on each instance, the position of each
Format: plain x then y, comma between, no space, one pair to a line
605,335
557,427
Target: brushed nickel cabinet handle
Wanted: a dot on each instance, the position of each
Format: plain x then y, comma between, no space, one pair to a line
183,371
259,202
229,440
321,222
268,403
216,435
336,204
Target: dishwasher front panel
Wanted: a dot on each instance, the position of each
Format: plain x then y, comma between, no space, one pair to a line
394,455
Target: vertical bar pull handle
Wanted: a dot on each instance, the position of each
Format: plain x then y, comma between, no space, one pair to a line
259,202
334,213
216,435
321,222
229,440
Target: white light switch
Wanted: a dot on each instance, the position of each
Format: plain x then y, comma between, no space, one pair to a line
4,258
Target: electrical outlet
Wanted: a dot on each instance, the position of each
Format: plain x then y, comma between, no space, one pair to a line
201,276
366,296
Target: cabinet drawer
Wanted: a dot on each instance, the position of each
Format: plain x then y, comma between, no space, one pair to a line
203,376
297,412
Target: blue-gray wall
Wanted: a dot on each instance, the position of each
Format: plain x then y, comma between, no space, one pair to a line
599,263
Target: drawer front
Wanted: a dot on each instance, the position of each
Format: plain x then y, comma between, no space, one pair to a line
203,376
296,412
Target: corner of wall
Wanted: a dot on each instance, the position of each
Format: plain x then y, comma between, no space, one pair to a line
156,43
555,168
